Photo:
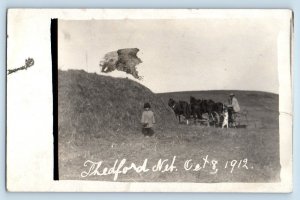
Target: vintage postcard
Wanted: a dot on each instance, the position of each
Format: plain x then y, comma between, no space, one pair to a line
149,100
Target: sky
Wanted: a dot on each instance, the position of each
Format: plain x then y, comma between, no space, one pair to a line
181,54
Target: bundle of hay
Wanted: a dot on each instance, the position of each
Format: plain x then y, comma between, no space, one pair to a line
122,60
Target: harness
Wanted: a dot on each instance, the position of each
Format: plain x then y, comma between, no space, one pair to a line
174,106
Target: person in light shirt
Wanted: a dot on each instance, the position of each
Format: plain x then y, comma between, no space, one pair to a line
233,109
147,121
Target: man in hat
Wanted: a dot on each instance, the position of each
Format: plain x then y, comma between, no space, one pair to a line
233,108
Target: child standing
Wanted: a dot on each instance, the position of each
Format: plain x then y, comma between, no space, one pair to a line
147,121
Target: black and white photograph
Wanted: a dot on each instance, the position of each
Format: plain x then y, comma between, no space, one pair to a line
168,100
117,100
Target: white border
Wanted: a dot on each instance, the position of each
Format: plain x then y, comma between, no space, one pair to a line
29,102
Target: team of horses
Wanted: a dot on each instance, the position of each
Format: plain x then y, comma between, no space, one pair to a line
196,109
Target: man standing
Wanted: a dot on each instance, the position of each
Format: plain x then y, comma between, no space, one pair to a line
233,108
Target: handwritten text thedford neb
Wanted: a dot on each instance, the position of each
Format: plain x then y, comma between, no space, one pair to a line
162,165
119,167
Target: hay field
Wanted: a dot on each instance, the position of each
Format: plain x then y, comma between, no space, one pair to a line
99,121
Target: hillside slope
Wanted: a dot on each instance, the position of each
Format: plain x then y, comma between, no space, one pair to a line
91,104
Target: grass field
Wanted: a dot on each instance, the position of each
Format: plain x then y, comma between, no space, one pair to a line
94,125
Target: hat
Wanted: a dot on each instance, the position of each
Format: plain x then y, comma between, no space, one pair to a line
231,94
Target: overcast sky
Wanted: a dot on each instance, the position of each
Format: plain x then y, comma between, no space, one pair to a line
179,55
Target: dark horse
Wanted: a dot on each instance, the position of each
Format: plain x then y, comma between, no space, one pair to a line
180,108
199,107
196,108
218,107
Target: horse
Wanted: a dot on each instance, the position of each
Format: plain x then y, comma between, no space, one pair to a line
207,106
196,108
199,107
180,108
218,107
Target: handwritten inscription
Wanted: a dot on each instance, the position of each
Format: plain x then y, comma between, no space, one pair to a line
212,166
189,165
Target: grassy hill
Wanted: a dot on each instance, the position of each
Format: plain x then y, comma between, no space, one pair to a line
94,104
